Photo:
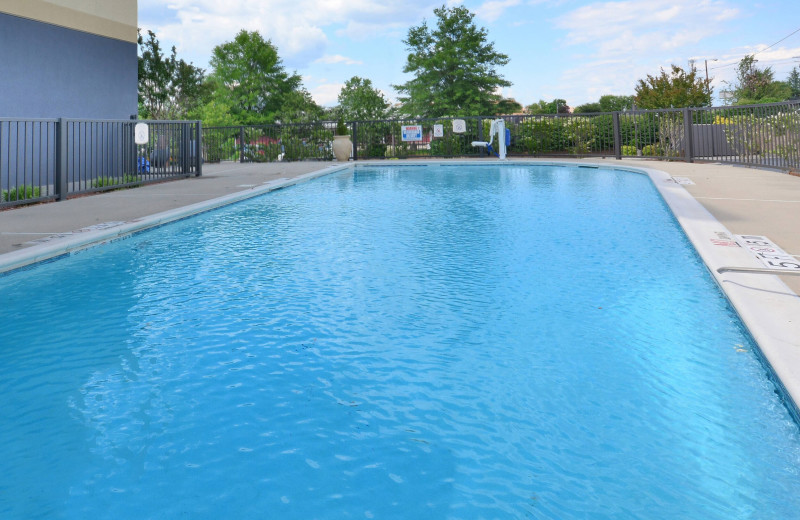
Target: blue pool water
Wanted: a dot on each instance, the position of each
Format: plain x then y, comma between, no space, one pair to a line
461,342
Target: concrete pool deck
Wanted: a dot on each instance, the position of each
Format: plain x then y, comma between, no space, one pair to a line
732,200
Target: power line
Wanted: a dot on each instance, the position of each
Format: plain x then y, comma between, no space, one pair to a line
762,50
777,42
775,61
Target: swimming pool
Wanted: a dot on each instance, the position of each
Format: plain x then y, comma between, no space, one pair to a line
460,342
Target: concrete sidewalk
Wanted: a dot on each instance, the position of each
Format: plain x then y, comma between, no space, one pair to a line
745,200
27,226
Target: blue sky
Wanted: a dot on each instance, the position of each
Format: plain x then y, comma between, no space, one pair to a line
577,50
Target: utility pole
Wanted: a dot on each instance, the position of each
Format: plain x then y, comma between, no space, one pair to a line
708,88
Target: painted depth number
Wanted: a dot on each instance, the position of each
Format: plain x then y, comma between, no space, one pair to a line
772,256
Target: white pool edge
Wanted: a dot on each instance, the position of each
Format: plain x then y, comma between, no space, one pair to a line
767,307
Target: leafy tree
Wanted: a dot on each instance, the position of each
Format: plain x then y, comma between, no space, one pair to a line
250,76
169,88
755,85
215,112
607,103
794,83
360,101
557,106
454,67
508,106
588,107
678,89
299,107
610,103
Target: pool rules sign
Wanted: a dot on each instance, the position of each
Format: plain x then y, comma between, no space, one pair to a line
412,132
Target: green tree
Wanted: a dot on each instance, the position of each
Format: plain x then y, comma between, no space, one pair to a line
756,85
557,106
678,89
794,83
215,112
588,107
250,77
299,107
607,103
360,101
454,68
610,103
169,88
508,106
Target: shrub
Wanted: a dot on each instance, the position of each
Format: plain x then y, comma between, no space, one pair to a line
341,128
102,182
220,149
652,150
21,193
375,150
628,150
452,145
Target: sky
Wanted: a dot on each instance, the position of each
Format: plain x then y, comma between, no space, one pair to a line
576,50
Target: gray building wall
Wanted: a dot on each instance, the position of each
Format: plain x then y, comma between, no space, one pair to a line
51,71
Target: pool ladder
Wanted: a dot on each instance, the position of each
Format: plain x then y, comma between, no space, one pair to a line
758,270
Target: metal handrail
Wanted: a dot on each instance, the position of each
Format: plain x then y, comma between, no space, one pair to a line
758,270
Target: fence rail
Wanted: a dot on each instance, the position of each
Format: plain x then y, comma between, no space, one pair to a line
268,143
52,159
754,135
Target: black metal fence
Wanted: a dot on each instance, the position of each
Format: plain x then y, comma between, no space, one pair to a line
52,159
754,135
267,143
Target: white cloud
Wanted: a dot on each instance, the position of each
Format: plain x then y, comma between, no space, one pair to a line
332,59
326,94
494,9
298,28
640,36
635,27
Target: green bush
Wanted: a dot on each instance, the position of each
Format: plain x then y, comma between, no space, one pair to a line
375,150
628,150
21,193
452,145
102,182
652,150
217,149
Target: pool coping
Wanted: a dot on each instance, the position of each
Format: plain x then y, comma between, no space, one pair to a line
82,239
769,308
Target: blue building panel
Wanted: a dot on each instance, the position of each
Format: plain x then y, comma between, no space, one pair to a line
50,71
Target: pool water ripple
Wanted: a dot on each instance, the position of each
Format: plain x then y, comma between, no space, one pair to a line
498,343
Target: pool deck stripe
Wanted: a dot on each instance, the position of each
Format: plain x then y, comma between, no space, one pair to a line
766,304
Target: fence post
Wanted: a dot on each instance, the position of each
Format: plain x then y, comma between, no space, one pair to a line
61,160
185,159
241,144
198,153
480,129
355,140
687,135
617,136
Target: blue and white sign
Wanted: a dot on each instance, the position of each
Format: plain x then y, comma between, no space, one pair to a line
412,132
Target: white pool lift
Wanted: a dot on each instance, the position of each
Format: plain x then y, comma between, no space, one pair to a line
503,139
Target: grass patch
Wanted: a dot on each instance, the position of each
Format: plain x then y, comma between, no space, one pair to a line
21,193
103,182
